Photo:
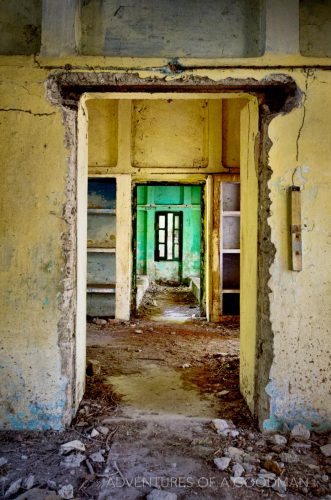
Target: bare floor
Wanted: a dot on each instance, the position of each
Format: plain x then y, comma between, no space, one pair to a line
145,425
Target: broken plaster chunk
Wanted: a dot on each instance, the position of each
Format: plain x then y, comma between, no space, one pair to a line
28,482
99,321
222,463
222,393
161,495
73,461
97,457
237,470
138,331
75,445
326,450
300,432
13,488
103,430
94,433
289,458
278,439
236,453
66,491
225,427
186,365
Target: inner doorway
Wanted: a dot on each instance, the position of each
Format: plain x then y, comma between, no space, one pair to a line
167,260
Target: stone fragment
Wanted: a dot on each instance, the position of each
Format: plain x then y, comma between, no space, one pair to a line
186,365
99,321
28,482
300,432
138,331
3,461
277,439
225,427
289,458
238,481
222,393
13,488
94,433
73,461
97,457
302,446
279,485
237,470
326,450
51,484
235,453
161,495
222,463
103,430
66,491
75,445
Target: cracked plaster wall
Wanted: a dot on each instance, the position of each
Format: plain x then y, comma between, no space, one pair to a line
38,253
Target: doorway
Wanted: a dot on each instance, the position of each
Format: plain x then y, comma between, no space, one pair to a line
167,242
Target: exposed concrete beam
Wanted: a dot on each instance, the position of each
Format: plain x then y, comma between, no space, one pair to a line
282,26
60,35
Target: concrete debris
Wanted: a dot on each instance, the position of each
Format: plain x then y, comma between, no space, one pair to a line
277,439
28,482
237,470
222,393
13,488
186,365
235,453
326,450
289,458
94,433
138,331
97,457
238,481
75,445
301,446
73,461
66,491
161,495
103,430
99,321
3,461
222,463
51,485
225,427
300,432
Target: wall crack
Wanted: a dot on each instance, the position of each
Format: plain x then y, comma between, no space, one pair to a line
18,110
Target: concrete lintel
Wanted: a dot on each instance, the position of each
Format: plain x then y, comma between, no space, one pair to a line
60,31
282,26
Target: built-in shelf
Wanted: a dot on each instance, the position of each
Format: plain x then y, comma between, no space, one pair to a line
231,250
101,288
98,211
230,213
230,290
101,250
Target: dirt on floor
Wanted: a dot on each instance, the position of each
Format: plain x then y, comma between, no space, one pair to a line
155,418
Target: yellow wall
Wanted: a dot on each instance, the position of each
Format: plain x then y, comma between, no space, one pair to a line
36,334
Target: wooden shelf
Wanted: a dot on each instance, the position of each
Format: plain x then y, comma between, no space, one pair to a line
100,250
97,211
230,290
231,250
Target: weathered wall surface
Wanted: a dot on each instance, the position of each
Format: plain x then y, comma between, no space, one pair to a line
34,384
20,26
300,302
37,347
315,28
212,28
